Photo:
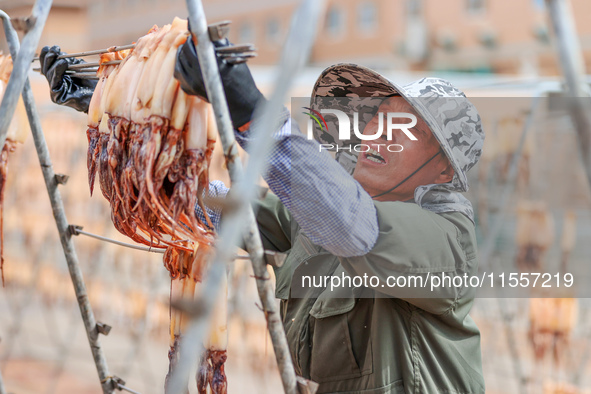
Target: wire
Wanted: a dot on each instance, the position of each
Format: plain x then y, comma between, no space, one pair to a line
122,387
99,237
77,231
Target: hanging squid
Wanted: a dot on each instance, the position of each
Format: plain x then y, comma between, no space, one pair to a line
151,145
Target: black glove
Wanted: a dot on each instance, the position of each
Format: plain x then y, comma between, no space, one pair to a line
65,90
241,92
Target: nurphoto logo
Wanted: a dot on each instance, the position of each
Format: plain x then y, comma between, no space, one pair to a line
344,127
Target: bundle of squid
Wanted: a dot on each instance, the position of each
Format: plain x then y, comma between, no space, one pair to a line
151,145
15,134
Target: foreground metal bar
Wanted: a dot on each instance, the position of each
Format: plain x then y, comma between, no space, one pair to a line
572,63
21,64
296,53
58,209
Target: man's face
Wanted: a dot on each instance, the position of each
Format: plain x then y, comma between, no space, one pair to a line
381,169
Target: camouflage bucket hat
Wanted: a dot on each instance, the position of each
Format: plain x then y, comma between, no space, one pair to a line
452,118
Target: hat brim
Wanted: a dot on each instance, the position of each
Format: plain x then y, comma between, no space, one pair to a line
352,80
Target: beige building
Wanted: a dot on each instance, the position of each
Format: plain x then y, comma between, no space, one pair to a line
67,22
501,36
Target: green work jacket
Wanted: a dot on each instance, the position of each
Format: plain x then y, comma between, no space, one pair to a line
395,340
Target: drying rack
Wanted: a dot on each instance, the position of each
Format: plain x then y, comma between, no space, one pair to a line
237,223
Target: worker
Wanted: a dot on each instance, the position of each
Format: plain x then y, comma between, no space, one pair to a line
398,215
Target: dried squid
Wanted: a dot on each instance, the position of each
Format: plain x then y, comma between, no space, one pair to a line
151,145
14,135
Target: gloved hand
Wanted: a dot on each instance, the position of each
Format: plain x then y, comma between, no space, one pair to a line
241,92
64,89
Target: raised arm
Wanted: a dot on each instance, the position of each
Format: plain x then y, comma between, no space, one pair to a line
329,205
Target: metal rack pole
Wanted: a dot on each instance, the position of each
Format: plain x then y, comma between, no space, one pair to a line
296,52
107,382
572,62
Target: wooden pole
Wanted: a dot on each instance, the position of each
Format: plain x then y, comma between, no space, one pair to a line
25,53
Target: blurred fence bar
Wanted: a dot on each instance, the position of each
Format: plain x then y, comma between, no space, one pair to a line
191,344
20,82
296,51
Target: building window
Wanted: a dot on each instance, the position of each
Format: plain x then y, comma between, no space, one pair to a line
273,32
335,21
476,6
367,16
246,33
